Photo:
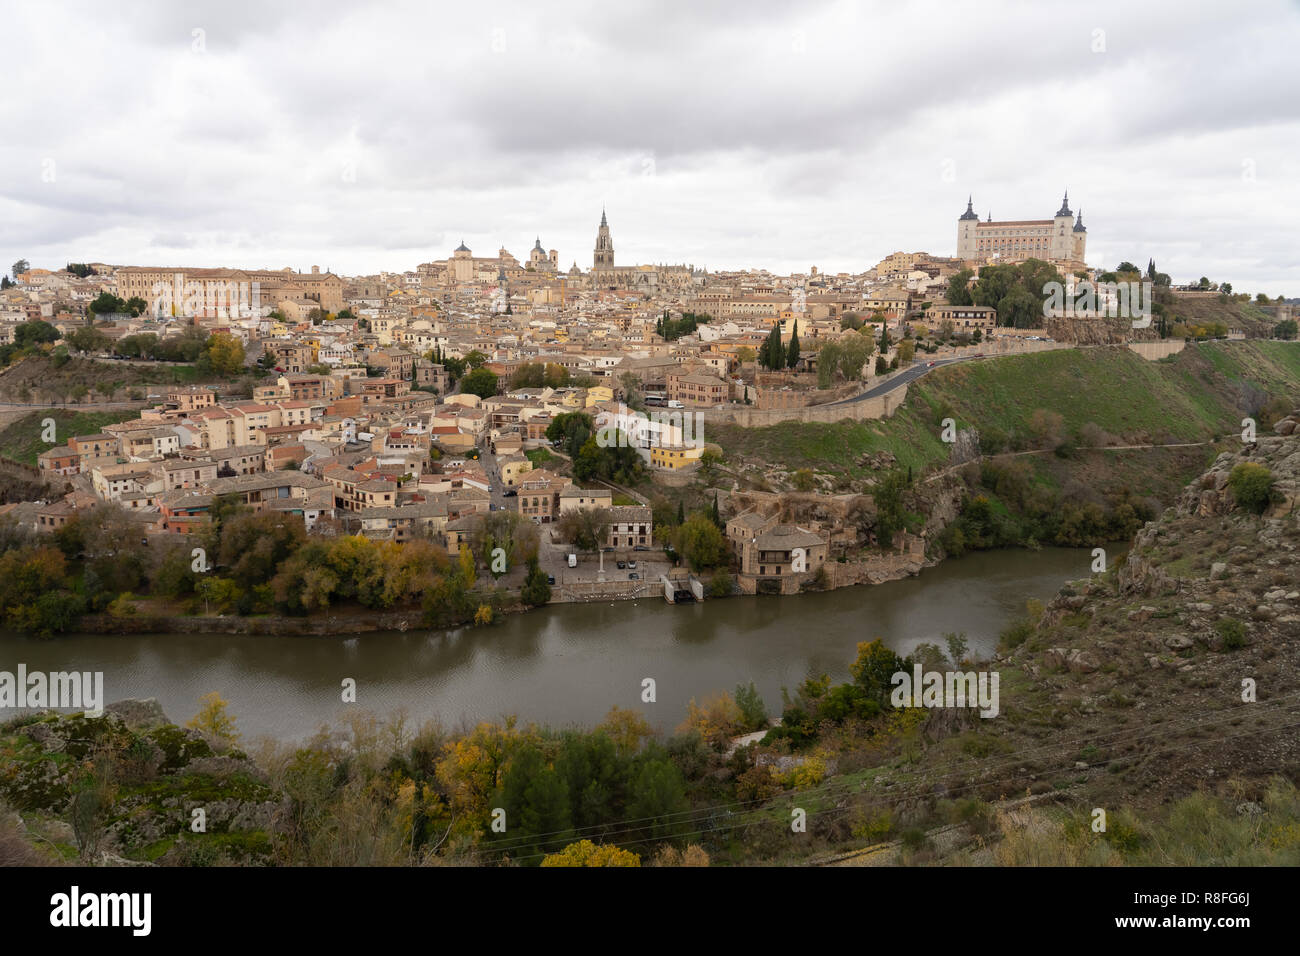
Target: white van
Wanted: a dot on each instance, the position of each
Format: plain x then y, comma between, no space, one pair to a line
573,560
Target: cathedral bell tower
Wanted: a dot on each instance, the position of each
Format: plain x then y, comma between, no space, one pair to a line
603,258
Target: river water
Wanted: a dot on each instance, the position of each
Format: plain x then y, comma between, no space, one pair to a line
562,665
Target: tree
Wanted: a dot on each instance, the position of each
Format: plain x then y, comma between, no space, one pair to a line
28,334
700,543
22,265
1286,329
771,354
480,382
959,288
1019,309
535,797
586,853
213,721
745,354
223,353
1226,288
1252,486
884,338
537,589
753,712
105,304
555,375
515,534
89,339
890,513
659,799
874,669
528,375
585,528
571,429
630,382
709,466
792,351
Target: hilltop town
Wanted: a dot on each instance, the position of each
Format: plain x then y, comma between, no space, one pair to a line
418,405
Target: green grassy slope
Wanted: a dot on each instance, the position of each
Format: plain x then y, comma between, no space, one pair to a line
1195,396
21,440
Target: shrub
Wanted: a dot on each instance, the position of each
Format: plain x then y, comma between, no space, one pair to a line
1233,633
1252,486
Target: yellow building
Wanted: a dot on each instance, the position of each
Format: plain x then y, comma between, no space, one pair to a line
599,393
675,457
512,467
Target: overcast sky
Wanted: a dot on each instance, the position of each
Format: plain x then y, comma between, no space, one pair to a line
362,137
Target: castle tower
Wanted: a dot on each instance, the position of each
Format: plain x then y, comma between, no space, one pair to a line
1080,239
966,231
1063,231
603,258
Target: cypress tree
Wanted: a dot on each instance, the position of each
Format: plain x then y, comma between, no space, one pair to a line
792,351
717,518
681,513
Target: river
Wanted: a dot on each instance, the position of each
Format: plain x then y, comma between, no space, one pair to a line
562,665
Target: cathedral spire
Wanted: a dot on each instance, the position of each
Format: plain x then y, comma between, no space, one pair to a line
602,216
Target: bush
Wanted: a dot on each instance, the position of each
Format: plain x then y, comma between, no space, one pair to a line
1233,633
720,585
1252,486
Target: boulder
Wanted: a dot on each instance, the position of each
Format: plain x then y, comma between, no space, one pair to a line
137,713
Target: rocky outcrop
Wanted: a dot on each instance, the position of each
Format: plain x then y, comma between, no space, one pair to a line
160,775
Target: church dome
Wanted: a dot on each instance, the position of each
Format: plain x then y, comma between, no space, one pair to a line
462,247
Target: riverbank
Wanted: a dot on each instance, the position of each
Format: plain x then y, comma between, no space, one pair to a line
877,569
563,664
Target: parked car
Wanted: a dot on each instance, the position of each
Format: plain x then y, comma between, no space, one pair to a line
641,547
510,493
622,565
631,565
550,579
634,576
573,560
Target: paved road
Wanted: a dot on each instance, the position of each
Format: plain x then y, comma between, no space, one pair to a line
496,487
911,375
80,406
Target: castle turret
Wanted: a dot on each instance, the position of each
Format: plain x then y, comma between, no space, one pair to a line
1062,244
966,223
